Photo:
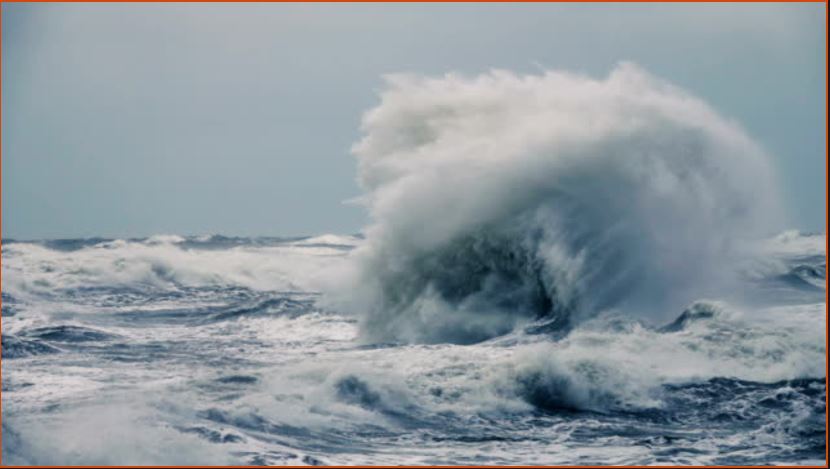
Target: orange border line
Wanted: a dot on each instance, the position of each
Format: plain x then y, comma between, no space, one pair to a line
1,231
826,148
826,193
412,1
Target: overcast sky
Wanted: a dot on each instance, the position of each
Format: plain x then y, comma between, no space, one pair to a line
135,119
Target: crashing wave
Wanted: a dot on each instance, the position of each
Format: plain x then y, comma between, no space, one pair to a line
501,199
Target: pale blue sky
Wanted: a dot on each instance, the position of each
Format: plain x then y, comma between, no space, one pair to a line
135,119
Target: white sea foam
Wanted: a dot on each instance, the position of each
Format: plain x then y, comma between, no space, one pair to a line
283,388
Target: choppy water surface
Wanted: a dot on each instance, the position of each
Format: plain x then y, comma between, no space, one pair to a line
223,350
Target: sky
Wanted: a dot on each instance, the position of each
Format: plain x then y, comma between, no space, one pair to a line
126,120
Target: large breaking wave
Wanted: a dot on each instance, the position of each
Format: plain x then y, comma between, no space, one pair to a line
504,199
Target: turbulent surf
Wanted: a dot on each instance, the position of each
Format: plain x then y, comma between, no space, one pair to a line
502,199
558,270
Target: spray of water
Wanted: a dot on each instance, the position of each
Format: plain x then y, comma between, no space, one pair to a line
503,199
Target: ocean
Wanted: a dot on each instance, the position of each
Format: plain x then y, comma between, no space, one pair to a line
555,269
220,350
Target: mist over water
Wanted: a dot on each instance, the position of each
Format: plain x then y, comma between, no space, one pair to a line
558,270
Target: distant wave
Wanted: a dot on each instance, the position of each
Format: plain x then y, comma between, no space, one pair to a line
163,262
502,199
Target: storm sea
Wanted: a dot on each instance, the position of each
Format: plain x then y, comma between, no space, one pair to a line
555,269
217,350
